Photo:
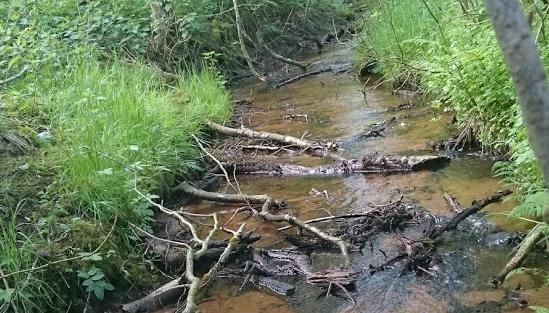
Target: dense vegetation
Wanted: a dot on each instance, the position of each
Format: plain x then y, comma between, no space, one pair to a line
448,50
98,98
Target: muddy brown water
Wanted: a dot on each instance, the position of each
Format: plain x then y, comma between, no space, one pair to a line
337,110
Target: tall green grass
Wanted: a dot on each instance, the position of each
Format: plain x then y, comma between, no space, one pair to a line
115,127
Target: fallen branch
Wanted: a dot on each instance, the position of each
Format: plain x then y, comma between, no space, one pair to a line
377,129
474,208
279,57
269,217
525,247
156,299
248,133
298,77
224,197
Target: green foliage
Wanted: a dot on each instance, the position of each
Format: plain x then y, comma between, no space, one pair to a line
539,309
95,281
29,292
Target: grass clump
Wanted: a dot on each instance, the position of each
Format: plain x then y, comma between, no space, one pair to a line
114,127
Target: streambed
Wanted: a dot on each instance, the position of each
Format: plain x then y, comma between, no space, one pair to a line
339,108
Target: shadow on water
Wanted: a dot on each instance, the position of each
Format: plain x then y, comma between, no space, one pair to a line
338,110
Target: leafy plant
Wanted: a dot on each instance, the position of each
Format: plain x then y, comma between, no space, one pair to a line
95,281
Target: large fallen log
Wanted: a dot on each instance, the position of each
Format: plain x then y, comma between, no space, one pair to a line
371,164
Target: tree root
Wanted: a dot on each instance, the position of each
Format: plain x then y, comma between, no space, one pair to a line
526,246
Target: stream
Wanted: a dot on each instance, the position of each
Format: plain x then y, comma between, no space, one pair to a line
338,110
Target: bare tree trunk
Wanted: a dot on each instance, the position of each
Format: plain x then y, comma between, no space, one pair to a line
241,31
521,54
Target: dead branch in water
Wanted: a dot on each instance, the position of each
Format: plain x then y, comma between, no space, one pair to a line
269,217
248,133
474,208
525,247
377,129
224,197
265,214
313,148
419,252
298,77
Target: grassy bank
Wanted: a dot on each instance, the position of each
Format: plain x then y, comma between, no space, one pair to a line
106,129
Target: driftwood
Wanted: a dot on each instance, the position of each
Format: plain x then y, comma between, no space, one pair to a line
377,129
371,164
526,246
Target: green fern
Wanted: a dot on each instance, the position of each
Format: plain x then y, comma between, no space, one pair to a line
533,205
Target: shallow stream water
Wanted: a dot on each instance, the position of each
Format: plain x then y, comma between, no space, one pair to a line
338,110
